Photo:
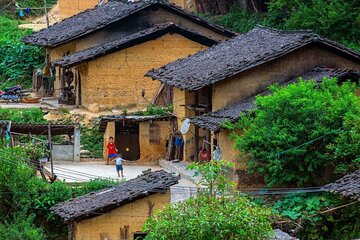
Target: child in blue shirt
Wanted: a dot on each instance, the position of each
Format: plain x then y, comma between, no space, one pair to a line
119,168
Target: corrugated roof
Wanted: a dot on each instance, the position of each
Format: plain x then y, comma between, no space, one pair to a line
236,55
131,40
214,120
39,129
103,15
107,199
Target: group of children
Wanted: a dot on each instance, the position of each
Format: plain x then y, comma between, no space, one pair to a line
113,155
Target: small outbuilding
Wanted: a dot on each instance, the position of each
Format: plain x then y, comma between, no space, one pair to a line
138,138
65,151
117,212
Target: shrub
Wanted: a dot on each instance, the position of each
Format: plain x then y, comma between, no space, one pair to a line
316,216
31,115
17,60
302,133
20,228
210,218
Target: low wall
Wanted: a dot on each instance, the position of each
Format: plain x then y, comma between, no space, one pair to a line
63,152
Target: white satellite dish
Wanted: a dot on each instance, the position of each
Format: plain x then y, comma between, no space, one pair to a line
185,126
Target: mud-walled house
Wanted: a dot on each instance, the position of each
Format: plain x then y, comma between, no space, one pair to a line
220,83
138,138
118,212
102,54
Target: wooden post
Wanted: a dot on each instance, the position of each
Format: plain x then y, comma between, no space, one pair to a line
50,154
76,88
46,14
196,140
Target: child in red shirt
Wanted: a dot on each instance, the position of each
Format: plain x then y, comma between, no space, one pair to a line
111,150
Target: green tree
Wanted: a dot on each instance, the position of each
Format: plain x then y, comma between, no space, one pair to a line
302,133
17,60
335,19
25,199
212,214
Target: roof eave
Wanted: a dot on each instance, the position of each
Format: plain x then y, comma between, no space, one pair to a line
172,28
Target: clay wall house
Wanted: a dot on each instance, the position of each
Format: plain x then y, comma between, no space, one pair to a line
220,83
118,212
142,138
106,50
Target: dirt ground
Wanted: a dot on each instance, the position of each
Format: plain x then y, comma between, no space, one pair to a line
36,24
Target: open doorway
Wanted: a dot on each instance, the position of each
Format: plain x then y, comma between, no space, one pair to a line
127,140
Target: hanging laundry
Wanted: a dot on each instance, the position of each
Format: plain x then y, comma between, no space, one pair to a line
53,70
28,11
21,13
217,154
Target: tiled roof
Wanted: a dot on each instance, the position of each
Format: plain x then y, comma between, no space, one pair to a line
107,199
236,55
130,118
103,15
131,40
347,186
233,112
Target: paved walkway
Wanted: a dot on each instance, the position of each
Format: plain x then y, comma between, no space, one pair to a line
180,168
85,171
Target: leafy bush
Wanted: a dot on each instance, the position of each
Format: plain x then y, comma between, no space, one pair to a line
17,60
213,176
25,193
210,215
240,20
301,134
31,115
305,210
153,110
92,140
215,218
336,19
20,228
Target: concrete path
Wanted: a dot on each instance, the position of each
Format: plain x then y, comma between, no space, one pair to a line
180,168
85,171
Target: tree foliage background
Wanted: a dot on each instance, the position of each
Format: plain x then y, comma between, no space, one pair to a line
213,214
336,19
302,134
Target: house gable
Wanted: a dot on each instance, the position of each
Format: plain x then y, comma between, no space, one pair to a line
110,14
117,79
240,54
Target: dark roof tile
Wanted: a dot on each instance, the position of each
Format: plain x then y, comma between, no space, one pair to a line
214,120
131,40
236,55
103,15
347,186
107,199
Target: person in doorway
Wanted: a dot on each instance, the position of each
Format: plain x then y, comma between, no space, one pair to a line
119,168
204,155
111,150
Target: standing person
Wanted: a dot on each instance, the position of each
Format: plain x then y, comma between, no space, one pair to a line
204,155
119,167
111,150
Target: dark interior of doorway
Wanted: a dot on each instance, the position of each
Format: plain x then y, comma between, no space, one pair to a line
127,140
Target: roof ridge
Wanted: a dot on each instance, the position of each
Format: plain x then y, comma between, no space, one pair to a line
161,28
289,31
